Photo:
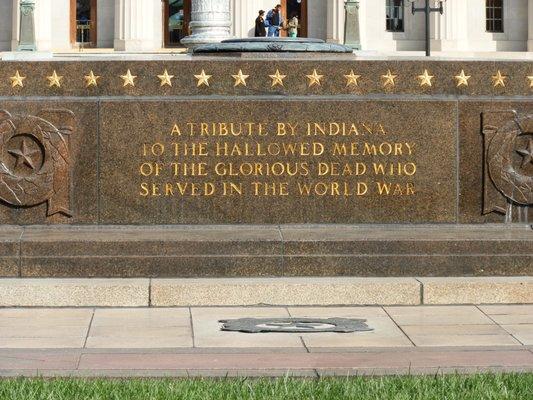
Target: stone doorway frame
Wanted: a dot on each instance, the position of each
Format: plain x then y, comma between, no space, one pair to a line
94,23
187,6
303,18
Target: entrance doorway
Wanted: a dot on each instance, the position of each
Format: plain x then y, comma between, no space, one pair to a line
83,22
296,8
177,15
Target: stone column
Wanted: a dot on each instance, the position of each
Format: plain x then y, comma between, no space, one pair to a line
138,25
335,21
27,26
448,31
210,22
42,20
15,25
530,25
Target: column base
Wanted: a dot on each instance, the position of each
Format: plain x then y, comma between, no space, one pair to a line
200,39
530,45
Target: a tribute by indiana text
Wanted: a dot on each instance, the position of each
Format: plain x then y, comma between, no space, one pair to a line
296,159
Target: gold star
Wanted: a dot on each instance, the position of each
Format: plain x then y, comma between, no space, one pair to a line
530,81
203,79
240,78
499,79
314,78
129,79
165,78
17,80
54,79
91,79
425,78
351,79
389,79
277,78
462,79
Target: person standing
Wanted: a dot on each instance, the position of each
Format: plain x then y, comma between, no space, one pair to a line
260,30
274,21
293,26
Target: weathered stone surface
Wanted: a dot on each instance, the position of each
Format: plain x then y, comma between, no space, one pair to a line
490,290
9,250
343,188
292,291
189,251
74,292
255,251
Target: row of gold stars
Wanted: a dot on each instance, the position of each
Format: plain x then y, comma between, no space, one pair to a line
314,79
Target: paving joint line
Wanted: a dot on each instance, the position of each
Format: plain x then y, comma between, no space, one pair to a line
399,327
499,325
191,324
149,292
422,300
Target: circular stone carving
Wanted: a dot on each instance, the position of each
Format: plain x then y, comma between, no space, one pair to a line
507,177
29,146
275,45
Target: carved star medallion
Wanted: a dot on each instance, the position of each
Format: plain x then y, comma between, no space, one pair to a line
314,79
54,79
277,78
24,155
527,154
351,79
165,78
17,79
203,79
462,79
240,79
499,79
91,79
425,78
388,79
129,79
530,81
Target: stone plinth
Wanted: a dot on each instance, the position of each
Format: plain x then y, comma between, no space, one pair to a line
433,157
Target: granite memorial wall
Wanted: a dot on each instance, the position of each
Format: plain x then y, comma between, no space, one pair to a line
265,142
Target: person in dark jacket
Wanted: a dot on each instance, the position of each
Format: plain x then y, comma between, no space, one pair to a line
274,21
260,30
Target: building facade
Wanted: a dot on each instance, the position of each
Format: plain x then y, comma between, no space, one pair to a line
383,25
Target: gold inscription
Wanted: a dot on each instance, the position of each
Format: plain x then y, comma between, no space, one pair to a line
334,159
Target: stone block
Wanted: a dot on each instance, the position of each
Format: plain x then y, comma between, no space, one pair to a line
477,290
74,292
289,291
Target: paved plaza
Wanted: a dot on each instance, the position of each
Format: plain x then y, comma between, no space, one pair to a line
188,341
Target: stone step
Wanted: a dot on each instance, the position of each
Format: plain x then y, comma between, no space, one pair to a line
265,251
161,292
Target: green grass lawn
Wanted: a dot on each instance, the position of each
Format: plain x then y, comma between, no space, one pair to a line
448,387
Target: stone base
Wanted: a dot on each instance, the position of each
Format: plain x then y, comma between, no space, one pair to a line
263,291
265,251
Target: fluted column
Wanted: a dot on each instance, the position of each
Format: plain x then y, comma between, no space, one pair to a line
449,29
210,22
530,26
335,21
138,25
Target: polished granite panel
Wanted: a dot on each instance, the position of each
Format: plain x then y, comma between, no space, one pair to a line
416,151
